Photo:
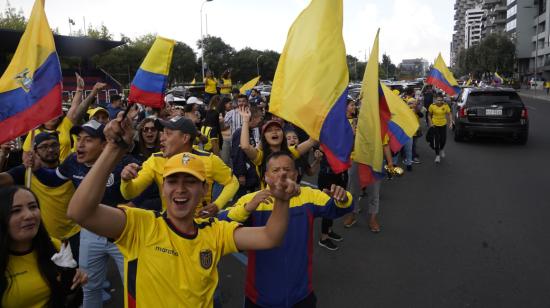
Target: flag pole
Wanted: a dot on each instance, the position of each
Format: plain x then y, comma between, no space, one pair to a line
28,172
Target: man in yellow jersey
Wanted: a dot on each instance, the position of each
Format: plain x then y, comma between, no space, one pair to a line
53,196
171,259
178,135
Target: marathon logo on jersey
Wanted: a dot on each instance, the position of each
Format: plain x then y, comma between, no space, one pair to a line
167,251
206,258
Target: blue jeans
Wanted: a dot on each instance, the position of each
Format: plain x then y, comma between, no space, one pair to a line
94,253
408,152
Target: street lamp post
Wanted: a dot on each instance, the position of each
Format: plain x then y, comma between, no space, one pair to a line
202,41
258,65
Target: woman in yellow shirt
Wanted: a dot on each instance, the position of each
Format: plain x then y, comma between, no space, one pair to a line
272,140
226,84
439,117
31,278
210,86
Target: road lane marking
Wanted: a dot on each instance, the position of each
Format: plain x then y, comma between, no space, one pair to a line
530,107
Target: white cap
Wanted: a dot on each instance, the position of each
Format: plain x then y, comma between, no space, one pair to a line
194,100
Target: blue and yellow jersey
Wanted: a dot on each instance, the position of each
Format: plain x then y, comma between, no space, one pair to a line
282,276
153,168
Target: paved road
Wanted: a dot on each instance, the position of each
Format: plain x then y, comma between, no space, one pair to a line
471,232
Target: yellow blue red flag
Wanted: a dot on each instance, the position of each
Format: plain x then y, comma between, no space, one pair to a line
31,86
441,77
310,84
151,79
249,85
384,118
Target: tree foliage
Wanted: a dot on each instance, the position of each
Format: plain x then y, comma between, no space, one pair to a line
12,19
496,53
217,54
387,69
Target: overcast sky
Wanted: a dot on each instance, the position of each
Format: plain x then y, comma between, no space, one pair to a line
409,28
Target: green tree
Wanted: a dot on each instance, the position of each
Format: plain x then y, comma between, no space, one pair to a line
246,62
217,54
184,64
100,33
387,68
496,53
12,19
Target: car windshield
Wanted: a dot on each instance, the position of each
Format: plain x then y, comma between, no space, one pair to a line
490,98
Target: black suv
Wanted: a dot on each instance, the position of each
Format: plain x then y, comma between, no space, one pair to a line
490,111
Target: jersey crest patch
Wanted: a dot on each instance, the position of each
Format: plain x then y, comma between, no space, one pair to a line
206,258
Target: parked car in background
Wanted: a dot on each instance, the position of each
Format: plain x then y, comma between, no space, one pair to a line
490,111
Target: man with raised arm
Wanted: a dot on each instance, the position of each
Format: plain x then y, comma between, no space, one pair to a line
171,259
177,137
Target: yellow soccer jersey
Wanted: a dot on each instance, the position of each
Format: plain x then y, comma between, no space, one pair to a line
53,208
210,85
63,131
439,114
173,269
28,287
227,86
152,169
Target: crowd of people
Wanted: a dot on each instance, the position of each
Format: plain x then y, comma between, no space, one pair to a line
167,192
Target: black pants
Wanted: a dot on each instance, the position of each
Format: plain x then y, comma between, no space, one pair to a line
309,302
325,181
440,138
75,245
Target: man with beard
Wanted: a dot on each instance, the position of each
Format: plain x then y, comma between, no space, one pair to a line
53,196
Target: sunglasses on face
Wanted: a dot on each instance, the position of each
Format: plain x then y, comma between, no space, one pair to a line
149,129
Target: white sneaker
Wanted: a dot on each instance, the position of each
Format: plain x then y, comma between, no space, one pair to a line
442,153
437,159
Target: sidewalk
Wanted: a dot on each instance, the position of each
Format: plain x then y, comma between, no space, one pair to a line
537,94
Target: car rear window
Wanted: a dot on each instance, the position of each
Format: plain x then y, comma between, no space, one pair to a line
490,98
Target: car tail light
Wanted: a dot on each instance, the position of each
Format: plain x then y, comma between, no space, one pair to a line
524,114
462,112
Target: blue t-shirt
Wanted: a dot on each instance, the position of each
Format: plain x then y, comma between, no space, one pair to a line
72,170
113,111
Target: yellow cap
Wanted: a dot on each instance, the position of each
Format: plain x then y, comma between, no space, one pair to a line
185,163
92,111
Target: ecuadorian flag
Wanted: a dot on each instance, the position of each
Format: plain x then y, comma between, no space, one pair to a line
441,77
310,84
384,118
31,86
151,78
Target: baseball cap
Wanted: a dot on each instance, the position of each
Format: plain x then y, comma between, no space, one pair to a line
185,163
183,124
92,112
194,100
92,128
45,136
270,123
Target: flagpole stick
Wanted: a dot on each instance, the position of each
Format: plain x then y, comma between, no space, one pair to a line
29,168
